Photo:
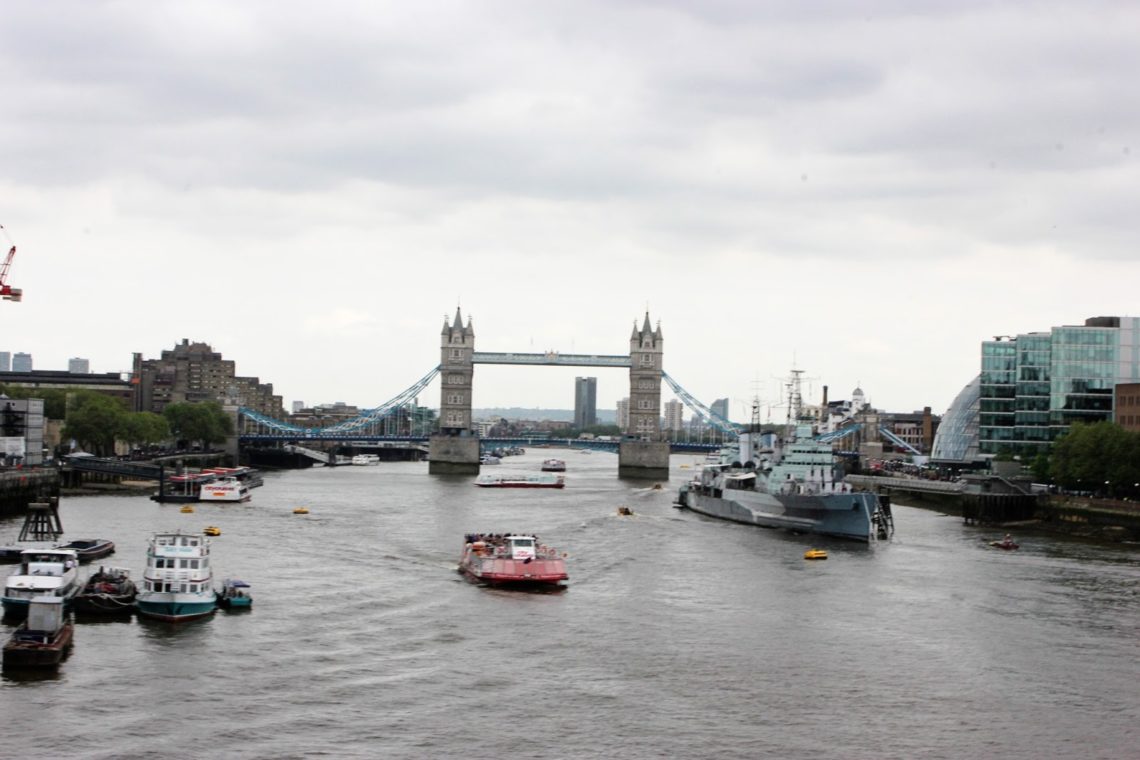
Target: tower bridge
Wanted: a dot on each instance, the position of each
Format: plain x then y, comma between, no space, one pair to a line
455,447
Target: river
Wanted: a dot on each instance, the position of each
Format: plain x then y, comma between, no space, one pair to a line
678,636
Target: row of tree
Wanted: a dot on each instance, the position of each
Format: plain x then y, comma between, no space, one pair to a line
96,421
1100,458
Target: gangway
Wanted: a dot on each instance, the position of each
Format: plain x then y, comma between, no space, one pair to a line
319,456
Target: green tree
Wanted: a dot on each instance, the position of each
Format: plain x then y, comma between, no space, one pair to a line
204,422
93,421
55,399
144,429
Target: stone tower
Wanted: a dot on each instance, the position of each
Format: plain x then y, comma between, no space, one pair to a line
456,346
646,352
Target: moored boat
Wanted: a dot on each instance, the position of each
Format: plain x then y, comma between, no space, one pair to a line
512,560
553,465
366,459
520,481
248,476
794,482
181,489
234,595
43,639
225,489
42,573
108,591
489,459
178,580
90,549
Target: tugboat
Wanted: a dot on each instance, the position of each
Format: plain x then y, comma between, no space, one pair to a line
511,560
43,639
108,591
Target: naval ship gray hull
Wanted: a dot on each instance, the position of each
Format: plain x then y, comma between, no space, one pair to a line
858,516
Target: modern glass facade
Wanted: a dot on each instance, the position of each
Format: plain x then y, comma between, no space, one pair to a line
1032,387
957,436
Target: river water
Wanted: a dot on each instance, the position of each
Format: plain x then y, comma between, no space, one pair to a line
677,637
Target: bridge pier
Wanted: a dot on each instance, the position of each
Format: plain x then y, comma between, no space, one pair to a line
453,455
645,460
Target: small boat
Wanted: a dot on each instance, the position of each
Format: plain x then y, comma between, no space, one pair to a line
514,560
247,476
89,549
625,511
42,640
520,481
42,573
553,465
186,509
212,530
1006,543
177,582
108,591
489,459
366,459
234,595
224,489
815,554
301,510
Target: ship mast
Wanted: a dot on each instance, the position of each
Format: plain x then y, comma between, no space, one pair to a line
795,398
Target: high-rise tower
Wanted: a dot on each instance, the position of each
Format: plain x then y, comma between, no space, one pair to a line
646,352
457,344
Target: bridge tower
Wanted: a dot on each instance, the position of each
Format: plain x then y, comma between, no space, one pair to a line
455,450
642,454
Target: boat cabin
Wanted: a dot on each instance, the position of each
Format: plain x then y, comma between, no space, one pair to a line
45,618
46,562
521,547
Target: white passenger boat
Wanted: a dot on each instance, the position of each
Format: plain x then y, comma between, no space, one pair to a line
42,573
366,459
224,489
178,580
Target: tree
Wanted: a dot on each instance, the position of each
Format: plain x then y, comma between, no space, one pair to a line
144,429
204,423
55,399
93,421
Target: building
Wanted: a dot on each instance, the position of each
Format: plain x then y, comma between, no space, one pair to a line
22,362
194,372
1035,385
21,431
646,355
457,371
585,402
79,366
957,436
298,406
5,361
720,408
1126,406
674,416
623,413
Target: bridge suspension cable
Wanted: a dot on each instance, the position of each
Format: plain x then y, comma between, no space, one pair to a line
367,417
720,423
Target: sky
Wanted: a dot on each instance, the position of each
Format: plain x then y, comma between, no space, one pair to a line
862,191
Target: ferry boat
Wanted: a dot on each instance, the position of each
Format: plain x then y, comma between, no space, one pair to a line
42,573
224,489
43,639
366,459
513,560
248,476
794,482
520,481
182,489
178,580
553,465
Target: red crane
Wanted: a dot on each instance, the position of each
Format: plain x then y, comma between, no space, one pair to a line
7,292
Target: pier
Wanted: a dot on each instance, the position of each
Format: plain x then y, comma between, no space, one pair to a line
19,488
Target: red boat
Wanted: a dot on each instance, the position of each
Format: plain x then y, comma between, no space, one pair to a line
512,560
1006,543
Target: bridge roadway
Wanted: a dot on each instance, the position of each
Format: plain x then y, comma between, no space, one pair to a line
572,443
550,358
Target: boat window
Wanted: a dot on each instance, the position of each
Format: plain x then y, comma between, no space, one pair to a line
194,563
524,543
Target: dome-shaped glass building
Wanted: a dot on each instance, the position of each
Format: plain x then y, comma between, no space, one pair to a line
957,436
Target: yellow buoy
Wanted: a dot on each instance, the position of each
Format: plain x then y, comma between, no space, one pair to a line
815,554
186,508
301,511
211,530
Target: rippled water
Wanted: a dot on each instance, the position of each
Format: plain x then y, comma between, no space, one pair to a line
679,636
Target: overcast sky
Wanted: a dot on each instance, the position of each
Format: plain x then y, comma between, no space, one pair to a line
310,187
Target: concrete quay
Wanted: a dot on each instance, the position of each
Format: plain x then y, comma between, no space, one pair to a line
19,488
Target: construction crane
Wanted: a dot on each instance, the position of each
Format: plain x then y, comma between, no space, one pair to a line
7,292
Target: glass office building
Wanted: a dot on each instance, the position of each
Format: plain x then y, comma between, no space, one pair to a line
1032,387
957,436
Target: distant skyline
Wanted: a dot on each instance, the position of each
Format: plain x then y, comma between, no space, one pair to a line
863,191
